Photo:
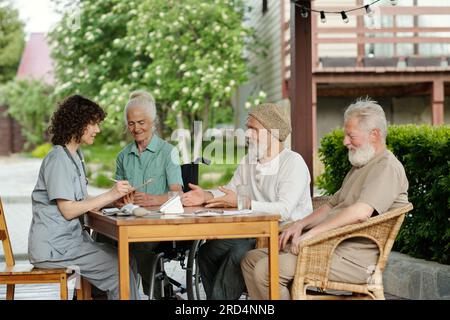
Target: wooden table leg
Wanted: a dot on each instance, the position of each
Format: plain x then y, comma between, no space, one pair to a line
124,264
274,291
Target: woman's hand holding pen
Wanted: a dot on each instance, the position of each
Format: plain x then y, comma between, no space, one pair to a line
121,189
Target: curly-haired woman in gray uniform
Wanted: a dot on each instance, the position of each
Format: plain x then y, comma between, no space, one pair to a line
60,199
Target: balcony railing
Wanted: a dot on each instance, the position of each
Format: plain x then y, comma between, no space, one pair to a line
360,35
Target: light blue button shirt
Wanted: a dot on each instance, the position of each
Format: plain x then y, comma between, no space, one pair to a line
159,161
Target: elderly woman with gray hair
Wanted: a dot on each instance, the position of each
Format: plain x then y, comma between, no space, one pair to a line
147,157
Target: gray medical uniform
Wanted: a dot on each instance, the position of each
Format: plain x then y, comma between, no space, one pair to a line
55,242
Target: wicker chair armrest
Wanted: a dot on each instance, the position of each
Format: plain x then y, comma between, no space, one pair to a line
345,230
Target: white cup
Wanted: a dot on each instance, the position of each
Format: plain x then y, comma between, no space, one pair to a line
244,200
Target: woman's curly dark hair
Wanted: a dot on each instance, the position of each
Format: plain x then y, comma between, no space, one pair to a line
72,117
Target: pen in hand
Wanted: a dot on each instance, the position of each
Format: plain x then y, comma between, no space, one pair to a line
116,181
137,188
125,199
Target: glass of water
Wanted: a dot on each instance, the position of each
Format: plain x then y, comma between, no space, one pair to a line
244,200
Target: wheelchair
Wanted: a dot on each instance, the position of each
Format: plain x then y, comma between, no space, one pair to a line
185,252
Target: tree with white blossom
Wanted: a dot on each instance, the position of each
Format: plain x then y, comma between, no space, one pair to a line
189,54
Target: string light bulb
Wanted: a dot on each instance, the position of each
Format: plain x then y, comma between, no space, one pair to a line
344,17
323,19
369,10
304,13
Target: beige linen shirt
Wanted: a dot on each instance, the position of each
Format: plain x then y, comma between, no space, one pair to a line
382,184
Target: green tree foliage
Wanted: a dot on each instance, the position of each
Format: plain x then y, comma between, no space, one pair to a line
425,153
189,54
31,103
11,41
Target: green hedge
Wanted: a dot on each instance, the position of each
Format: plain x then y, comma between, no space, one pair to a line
425,154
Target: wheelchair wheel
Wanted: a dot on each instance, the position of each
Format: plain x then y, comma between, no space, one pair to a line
194,286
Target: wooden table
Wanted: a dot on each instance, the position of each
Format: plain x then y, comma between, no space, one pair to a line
175,227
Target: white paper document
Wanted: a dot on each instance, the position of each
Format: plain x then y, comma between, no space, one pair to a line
216,213
234,212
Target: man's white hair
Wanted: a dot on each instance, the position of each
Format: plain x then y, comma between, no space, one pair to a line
370,115
142,99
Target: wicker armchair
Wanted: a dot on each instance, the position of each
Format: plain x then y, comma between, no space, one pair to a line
314,260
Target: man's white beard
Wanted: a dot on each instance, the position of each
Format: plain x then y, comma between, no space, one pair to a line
362,155
256,151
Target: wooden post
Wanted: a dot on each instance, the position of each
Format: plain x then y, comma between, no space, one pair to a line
437,103
301,88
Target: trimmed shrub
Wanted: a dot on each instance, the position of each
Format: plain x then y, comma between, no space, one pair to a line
424,151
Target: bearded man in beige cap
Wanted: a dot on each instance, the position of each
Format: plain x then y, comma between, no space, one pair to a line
278,182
